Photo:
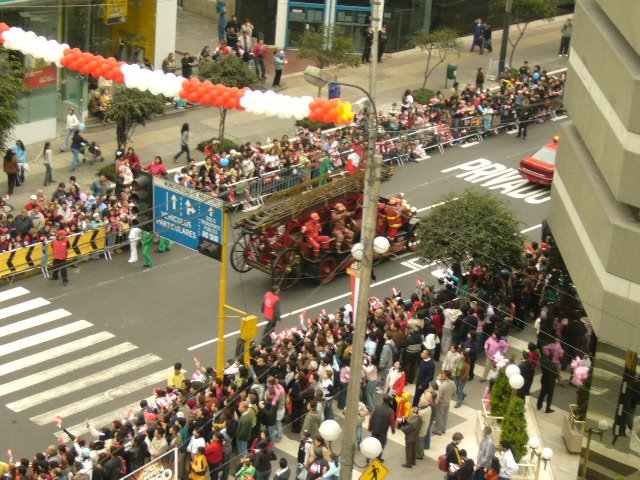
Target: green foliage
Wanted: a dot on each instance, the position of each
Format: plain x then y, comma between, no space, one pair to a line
219,146
476,224
12,90
514,428
109,171
522,13
230,71
311,125
422,95
327,47
438,45
500,395
131,107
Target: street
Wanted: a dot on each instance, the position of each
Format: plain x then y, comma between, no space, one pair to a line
142,321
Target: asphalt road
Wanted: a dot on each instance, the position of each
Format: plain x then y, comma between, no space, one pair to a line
169,313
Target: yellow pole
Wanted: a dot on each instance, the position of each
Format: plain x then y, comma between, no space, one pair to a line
222,294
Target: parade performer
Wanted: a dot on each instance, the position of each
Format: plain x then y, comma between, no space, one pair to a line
147,243
394,218
311,230
341,232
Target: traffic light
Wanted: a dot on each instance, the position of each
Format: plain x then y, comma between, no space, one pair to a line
142,198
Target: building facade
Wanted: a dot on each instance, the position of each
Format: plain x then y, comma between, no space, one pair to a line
125,29
595,214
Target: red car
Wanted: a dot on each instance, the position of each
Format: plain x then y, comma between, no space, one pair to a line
539,167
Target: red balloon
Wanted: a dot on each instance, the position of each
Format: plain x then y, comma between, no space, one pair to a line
73,65
186,84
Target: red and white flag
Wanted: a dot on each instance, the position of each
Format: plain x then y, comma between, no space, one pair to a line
419,282
61,441
273,335
58,421
323,312
197,360
198,376
302,316
395,291
10,455
131,414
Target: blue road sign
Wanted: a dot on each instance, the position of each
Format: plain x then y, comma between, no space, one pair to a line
188,217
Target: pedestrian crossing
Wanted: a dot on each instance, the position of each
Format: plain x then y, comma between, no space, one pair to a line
54,364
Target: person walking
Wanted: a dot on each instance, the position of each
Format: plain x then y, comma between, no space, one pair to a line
76,142
259,53
279,61
382,418
486,453
270,311
47,155
60,254
11,168
21,154
184,143
550,374
523,121
134,239
147,243
485,41
565,38
411,429
72,125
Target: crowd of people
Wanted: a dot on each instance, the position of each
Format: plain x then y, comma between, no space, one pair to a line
228,423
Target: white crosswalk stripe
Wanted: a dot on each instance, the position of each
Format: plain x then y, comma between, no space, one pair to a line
64,369
52,353
22,307
33,322
12,293
100,398
39,338
53,364
84,382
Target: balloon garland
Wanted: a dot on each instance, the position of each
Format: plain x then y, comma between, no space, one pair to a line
170,85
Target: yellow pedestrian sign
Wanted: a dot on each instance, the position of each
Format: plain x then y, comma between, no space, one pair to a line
375,471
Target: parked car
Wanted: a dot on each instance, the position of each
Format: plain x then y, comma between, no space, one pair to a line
539,167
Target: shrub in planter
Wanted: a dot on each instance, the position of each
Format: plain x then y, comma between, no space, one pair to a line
109,171
500,395
224,146
514,428
306,123
422,95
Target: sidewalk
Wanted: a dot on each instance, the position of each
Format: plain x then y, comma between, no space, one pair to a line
399,71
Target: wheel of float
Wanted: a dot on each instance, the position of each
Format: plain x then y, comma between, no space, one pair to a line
239,253
287,268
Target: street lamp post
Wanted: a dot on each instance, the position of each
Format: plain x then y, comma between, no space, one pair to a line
505,34
542,456
602,427
516,381
330,430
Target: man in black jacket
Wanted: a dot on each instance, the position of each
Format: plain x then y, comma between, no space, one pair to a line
380,420
426,372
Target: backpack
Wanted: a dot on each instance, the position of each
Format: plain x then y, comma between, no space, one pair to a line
395,353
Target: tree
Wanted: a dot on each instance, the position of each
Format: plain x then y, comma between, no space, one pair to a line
500,395
13,89
514,428
327,47
131,107
230,71
474,224
438,45
522,13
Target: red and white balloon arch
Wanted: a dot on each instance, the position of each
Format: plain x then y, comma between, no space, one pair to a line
171,85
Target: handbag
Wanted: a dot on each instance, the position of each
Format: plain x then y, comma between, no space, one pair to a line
443,465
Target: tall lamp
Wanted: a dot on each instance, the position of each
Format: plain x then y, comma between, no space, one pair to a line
542,456
602,427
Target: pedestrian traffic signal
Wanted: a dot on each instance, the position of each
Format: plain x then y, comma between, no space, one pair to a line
142,198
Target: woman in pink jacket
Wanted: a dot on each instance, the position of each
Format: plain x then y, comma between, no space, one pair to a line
492,346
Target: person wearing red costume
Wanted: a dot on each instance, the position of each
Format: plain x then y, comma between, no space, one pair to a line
311,230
